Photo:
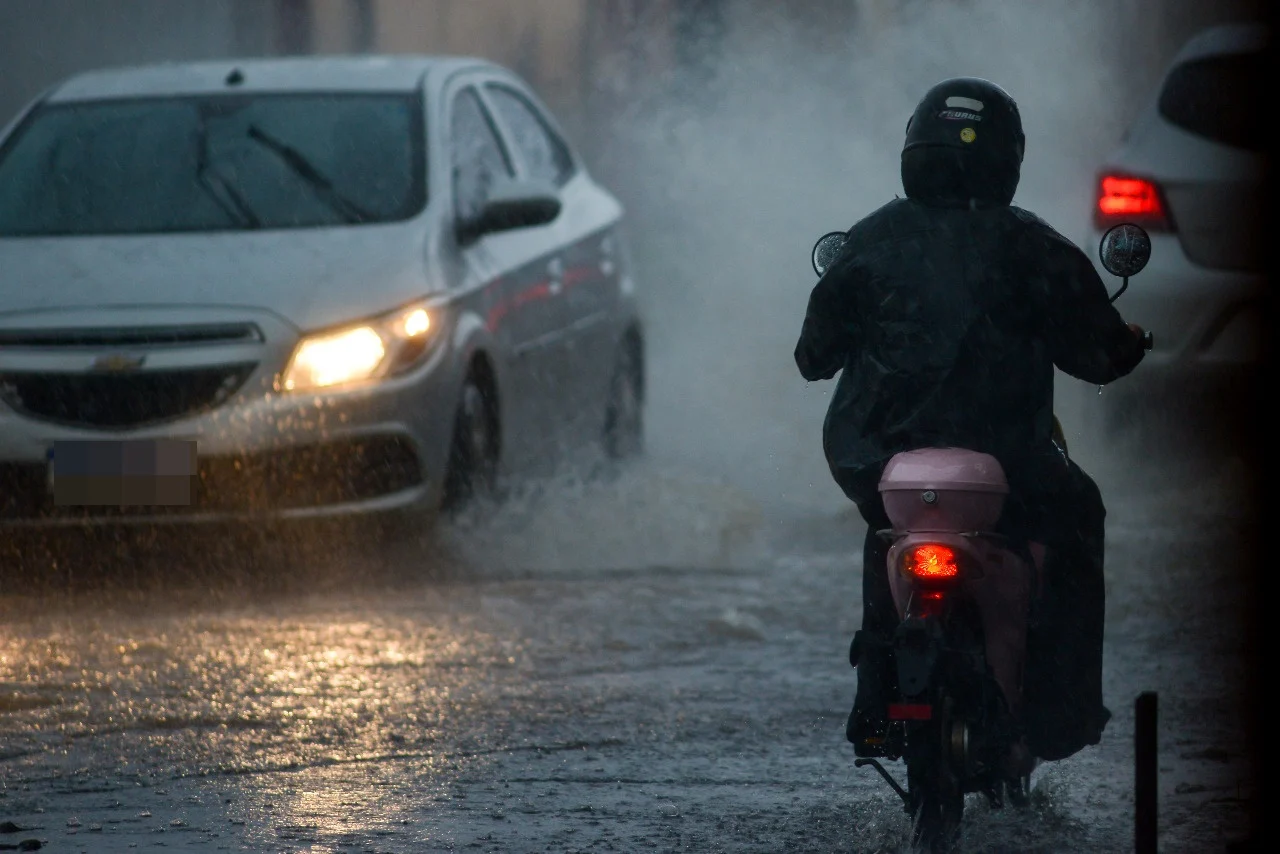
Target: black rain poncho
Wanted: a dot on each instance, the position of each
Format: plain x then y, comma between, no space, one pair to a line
946,321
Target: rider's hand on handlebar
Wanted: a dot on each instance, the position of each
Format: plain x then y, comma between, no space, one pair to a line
1142,335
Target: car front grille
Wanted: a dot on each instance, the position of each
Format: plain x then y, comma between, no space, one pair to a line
288,478
120,400
142,336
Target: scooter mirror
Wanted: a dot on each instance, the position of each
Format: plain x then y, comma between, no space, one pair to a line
1125,249
826,250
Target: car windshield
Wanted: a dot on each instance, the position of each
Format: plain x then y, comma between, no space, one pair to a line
213,163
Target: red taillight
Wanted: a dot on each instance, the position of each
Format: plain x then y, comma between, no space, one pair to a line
932,562
1126,199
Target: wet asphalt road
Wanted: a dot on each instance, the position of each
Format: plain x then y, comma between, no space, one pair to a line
510,690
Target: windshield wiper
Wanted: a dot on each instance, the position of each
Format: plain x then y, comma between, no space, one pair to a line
234,203
304,169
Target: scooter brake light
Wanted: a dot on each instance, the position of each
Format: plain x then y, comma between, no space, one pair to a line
931,561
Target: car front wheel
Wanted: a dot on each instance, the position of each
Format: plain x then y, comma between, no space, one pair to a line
473,455
624,415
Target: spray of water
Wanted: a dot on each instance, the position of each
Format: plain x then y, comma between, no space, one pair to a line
776,128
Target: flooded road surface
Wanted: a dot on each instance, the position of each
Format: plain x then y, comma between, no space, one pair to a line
517,690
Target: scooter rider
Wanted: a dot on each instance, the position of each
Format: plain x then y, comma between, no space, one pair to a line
947,312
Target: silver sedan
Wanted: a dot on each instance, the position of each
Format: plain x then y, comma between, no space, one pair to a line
333,285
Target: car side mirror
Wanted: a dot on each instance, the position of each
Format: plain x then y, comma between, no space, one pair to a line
513,204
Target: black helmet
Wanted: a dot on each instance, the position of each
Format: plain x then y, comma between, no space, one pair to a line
964,144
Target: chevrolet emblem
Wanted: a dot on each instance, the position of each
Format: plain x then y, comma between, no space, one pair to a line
118,362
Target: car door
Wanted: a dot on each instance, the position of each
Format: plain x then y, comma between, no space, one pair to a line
585,257
517,296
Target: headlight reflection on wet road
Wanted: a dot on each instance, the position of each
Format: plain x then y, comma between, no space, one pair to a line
243,694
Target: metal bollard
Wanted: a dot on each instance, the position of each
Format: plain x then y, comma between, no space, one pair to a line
1146,765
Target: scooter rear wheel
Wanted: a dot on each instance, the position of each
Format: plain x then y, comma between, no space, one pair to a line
936,824
937,805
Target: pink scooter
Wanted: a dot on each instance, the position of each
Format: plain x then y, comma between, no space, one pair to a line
964,594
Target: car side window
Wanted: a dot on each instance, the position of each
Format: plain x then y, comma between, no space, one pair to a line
478,157
545,153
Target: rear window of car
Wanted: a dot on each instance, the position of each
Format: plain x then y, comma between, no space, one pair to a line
213,163
1218,98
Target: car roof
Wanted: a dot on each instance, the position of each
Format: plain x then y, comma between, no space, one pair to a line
403,72
1241,37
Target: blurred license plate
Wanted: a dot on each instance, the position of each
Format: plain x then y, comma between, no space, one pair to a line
129,472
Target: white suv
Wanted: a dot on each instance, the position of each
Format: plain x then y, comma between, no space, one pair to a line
1191,171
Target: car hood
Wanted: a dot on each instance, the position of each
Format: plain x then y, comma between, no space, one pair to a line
311,278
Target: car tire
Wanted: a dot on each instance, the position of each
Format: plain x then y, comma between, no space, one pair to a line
624,412
473,452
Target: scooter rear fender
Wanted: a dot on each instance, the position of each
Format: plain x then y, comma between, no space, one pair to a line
991,574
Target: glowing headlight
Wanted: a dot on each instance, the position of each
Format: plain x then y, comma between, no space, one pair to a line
415,323
363,352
